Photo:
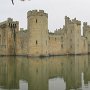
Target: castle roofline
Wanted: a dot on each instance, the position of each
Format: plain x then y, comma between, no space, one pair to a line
8,22
36,13
73,21
85,24
76,21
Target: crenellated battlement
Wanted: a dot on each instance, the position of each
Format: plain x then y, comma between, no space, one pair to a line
36,13
67,18
9,22
86,25
10,19
73,21
76,21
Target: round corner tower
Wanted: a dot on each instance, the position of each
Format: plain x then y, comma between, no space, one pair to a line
37,25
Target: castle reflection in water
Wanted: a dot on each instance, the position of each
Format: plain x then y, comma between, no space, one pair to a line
49,73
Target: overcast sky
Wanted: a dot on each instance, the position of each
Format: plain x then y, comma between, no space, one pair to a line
56,9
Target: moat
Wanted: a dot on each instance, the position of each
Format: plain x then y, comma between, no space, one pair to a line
48,73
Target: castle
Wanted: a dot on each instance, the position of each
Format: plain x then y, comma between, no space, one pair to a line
38,41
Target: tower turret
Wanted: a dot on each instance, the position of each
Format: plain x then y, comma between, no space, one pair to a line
8,37
37,33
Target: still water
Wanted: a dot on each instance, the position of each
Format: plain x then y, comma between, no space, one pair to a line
49,73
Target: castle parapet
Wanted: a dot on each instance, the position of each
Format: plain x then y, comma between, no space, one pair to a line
9,19
3,24
73,21
76,21
36,13
9,23
21,29
86,25
67,20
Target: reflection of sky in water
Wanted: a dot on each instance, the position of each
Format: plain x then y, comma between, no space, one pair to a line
56,84
23,85
87,86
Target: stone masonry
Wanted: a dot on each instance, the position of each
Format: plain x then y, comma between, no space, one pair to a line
38,41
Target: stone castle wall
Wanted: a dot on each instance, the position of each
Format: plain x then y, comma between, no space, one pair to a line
22,42
56,45
37,41
86,30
